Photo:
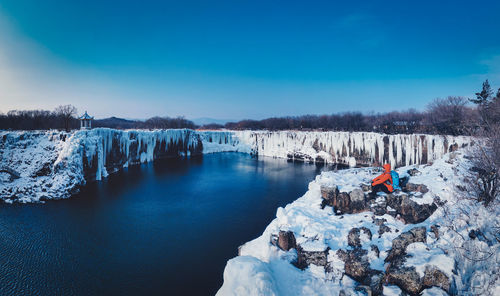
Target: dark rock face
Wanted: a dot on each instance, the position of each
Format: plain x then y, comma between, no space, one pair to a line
435,230
353,238
410,187
305,258
378,221
409,210
298,156
410,281
356,201
286,240
357,266
375,249
406,278
383,229
433,277
366,187
413,172
45,170
399,244
342,202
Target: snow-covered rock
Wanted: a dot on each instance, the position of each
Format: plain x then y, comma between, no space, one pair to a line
426,257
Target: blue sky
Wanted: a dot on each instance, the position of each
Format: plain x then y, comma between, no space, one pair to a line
243,59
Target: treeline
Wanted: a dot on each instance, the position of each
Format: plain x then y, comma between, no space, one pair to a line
452,115
37,120
65,118
444,116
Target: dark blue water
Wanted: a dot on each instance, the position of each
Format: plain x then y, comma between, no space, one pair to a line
165,228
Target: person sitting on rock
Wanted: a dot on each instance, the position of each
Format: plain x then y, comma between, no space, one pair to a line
383,182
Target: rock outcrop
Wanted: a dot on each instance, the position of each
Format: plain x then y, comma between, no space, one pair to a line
357,201
306,258
353,238
343,202
408,279
357,267
433,277
399,244
286,240
410,211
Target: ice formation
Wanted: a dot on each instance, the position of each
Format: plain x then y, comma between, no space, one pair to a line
53,164
351,148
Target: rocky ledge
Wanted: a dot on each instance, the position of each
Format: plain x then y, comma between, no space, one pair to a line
402,205
357,263
338,240
362,255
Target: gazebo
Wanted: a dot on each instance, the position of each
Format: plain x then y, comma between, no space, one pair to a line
86,121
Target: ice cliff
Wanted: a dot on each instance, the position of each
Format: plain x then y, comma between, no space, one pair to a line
53,164
351,148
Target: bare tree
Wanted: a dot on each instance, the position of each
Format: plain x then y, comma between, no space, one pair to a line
66,113
448,116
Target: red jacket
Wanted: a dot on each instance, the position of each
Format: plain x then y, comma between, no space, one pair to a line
385,178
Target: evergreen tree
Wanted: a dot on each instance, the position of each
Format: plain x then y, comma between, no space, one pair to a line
482,98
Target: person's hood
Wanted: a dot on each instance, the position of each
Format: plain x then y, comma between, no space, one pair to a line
387,167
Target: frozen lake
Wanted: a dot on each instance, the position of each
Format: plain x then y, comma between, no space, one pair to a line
163,228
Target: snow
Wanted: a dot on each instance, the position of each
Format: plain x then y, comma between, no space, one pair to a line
69,157
317,228
52,163
421,257
277,277
223,141
342,147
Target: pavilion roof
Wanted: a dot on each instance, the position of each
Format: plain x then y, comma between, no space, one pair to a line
86,116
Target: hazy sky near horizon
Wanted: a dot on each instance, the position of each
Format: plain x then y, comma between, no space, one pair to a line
243,59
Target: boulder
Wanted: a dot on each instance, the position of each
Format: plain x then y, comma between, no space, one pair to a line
329,193
383,229
433,277
305,258
357,267
413,172
358,202
375,249
410,187
286,240
343,202
378,221
353,238
399,244
366,187
410,281
435,230
409,210
404,277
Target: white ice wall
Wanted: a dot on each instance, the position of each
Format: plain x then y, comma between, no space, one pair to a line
350,148
64,153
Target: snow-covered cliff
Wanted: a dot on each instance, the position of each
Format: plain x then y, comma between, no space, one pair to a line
312,249
356,148
53,164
